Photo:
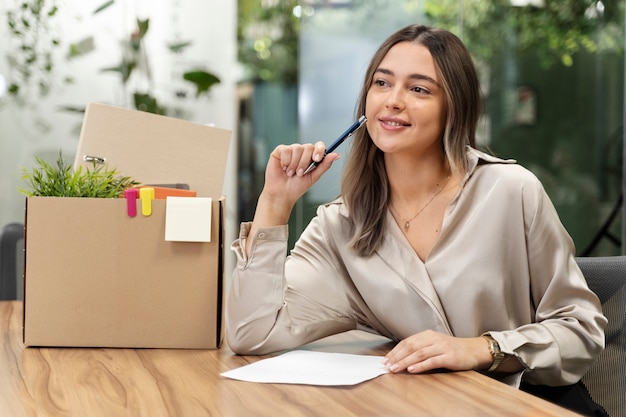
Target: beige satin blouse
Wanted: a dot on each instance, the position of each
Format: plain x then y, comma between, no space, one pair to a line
503,265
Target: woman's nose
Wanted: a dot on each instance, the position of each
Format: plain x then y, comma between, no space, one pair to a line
395,99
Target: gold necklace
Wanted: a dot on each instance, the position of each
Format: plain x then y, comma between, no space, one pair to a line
407,223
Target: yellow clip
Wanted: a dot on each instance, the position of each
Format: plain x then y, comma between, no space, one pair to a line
146,195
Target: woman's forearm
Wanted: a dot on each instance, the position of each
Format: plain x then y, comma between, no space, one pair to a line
270,211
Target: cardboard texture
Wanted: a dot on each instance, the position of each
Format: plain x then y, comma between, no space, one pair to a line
95,277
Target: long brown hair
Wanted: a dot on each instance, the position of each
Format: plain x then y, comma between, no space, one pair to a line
365,187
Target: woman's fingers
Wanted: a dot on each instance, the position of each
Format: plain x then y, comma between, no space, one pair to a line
296,158
431,350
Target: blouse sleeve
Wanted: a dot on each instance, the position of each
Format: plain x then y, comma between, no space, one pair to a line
569,331
279,302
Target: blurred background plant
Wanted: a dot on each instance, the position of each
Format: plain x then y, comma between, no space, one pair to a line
556,30
268,36
134,62
33,40
36,43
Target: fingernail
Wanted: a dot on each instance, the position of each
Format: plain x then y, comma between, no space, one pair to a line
317,157
290,173
394,367
300,172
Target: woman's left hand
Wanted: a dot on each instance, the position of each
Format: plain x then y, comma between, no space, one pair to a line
429,350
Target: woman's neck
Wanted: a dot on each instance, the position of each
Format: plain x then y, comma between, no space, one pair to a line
412,180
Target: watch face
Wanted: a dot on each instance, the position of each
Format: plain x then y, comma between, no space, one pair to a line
496,353
494,347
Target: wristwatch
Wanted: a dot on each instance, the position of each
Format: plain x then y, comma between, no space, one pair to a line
496,353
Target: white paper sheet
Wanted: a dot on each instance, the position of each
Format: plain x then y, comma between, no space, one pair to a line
312,368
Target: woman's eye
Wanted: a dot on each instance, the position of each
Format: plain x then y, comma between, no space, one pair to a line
380,83
420,90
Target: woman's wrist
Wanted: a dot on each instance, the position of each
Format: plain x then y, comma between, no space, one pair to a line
482,355
497,356
269,212
499,361
272,211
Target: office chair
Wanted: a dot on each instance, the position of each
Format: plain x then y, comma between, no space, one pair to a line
606,379
11,260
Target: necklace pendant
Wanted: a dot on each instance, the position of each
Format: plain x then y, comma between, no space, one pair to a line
406,226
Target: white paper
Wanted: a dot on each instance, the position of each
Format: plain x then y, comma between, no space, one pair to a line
312,368
188,219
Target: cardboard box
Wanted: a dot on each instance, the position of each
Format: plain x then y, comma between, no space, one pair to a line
95,276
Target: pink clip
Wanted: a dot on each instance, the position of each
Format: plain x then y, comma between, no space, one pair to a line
131,201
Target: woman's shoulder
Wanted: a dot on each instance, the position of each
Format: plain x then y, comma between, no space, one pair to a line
331,222
333,217
333,210
499,169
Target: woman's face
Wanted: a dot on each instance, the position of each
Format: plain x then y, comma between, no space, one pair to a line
405,104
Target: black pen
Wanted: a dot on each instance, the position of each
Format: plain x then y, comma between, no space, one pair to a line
338,142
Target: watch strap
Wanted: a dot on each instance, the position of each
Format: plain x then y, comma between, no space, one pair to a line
496,353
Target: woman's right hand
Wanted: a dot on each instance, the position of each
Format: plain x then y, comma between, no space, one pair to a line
285,180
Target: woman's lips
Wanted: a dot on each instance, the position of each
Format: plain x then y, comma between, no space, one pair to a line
394,123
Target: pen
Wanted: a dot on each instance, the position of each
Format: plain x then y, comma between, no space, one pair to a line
345,135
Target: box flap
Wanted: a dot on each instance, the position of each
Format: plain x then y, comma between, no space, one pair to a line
154,149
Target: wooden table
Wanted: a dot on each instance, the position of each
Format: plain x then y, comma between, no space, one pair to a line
60,382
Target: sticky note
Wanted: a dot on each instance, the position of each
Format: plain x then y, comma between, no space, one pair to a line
188,219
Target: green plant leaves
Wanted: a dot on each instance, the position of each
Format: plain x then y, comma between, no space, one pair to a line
60,180
202,79
32,38
104,6
142,27
178,47
147,103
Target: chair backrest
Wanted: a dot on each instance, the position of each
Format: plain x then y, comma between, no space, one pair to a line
11,261
606,379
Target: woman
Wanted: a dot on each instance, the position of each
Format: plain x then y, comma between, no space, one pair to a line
458,255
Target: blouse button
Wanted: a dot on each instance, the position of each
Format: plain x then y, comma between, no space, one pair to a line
261,235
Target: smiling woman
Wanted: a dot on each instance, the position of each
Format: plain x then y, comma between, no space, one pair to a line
485,233
406,109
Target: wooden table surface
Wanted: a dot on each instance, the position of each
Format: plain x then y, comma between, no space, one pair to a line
88,382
